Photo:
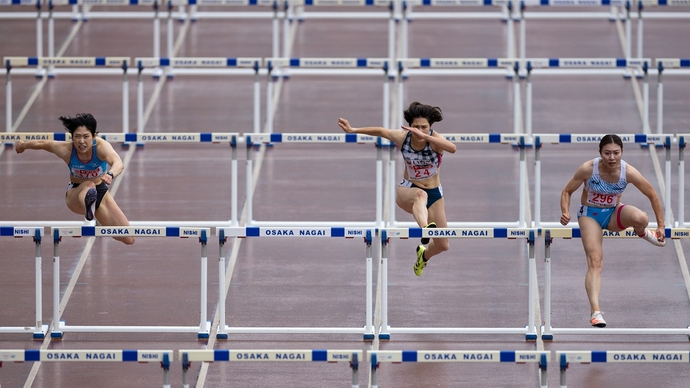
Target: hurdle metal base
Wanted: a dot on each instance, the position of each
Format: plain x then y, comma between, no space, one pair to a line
223,334
385,335
38,332
61,328
547,334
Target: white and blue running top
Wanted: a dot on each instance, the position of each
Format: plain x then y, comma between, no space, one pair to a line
602,193
420,164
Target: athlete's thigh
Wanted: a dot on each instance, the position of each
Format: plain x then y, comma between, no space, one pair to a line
109,214
405,197
627,214
591,236
437,213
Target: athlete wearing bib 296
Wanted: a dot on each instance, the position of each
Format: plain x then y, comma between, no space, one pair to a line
605,178
88,170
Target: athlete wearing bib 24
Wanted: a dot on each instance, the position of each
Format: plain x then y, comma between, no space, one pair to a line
605,178
420,192
93,164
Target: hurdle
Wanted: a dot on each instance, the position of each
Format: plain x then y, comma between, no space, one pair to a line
143,138
314,138
201,66
567,233
530,330
271,355
680,221
39,329
165,357
565,357
465,67
70,65
279,232
641,4
328,66
593,140
541,357
669,66
295,9
275,14
28,15
504,14
584,66
611,15
59,327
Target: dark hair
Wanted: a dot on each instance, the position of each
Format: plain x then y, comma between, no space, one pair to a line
431,113
81,120
608,139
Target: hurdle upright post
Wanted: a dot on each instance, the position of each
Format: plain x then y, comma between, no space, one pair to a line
8,96
681,181
221,332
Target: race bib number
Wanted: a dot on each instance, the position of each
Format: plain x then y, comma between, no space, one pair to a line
602,199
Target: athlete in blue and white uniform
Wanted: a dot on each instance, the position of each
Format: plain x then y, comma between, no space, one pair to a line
93,164
605,178
420,192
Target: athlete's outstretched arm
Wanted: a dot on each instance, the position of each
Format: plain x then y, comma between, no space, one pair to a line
395,135
61,149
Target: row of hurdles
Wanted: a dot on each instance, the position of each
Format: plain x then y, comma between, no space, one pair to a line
353,357
252,140
393,73
289,11
370,236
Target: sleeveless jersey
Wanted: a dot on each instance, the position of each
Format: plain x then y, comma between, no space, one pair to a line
420,164
87,170
601,193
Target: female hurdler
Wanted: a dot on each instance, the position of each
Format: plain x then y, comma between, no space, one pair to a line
420,192
605,179
88,158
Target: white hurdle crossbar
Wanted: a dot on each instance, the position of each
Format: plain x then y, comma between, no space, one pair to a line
201,66
541,357
585,66
530,330
593,140
315,139
641,4
568,233
59,327
315,232
70,65
353,357
565,357
476,138
165,357
39,329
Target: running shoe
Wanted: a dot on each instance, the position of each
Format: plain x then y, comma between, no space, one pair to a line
425,240
597,319
650,236
420,263
90,204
